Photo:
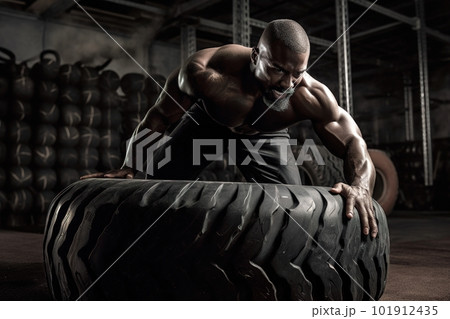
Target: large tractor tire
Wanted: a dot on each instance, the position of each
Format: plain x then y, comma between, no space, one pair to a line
386,184
182,240
321,175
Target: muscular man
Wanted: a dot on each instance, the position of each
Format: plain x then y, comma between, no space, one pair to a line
255,94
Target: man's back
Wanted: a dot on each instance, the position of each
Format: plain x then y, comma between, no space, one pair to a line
222,78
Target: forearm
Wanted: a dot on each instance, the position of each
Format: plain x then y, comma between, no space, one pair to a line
358,167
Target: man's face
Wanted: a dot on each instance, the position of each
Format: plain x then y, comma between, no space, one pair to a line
279,70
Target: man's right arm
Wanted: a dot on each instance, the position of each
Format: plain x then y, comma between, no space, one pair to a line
170,106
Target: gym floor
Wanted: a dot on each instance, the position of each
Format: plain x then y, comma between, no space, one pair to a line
419,260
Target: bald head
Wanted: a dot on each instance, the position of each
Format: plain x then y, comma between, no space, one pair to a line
288,32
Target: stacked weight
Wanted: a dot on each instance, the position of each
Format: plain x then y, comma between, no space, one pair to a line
47,113
110,127
75,103
141,93
136,102
19,176
57,123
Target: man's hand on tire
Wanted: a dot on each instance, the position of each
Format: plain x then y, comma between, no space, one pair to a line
359,198
115,173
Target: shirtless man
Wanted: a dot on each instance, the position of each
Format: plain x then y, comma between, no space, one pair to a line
235,92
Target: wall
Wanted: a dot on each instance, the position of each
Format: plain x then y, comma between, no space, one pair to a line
164,57
73,41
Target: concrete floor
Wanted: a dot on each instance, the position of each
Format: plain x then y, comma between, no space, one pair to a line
419,265
420,256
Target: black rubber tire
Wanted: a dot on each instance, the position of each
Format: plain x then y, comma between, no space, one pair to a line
67,176
70,95
47,91
91,116
109,139
45,179
89,137
88,158
219,171
110,100
111,118
68,136
20,110
67,157
321,175
90,96
19,132
19,155
110,158
386,183
209,241
89,77
44,156
137,103
20,177
22,88
47,68
42,201
45,135
70,74
70,115
109,80
132,82
48,113
20,204
87,171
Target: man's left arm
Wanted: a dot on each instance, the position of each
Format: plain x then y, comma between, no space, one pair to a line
341,135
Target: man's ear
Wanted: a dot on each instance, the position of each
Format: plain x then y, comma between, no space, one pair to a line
254,56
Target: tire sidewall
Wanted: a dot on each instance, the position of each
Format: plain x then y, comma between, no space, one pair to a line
386,169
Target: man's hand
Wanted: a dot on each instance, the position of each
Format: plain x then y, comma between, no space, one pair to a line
359,198
115,173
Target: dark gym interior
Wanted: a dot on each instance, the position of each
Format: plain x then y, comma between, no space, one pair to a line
77,77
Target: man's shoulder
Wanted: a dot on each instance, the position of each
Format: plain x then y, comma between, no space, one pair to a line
314,100
226,59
